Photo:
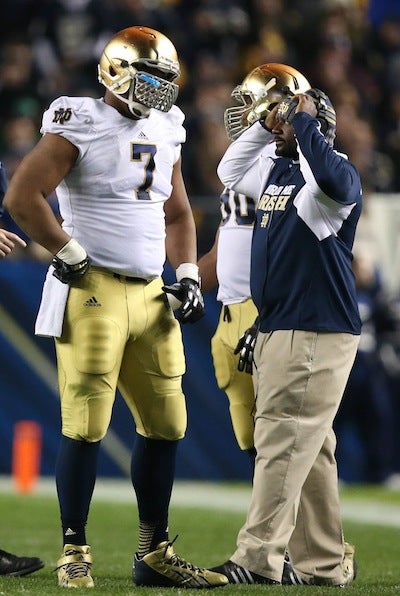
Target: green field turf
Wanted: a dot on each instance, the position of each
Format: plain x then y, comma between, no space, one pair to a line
30,525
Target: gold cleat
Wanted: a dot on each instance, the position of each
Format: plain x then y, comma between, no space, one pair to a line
164,568
349,564
73,567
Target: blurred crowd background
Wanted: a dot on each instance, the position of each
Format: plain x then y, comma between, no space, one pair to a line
348,48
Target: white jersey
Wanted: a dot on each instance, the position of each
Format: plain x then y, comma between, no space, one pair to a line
234,247
112,201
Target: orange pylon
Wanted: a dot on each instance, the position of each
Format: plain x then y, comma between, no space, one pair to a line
26,455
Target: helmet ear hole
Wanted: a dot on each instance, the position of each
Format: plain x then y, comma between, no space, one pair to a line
287,91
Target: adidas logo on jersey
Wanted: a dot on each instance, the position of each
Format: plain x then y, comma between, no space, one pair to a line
92,302
141,135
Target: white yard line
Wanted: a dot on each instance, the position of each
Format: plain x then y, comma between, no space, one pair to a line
223,497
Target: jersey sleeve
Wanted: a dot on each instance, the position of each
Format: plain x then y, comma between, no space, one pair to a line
69,117
178,133
247,161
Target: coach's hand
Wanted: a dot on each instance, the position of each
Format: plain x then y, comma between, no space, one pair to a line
71,262
270,119
245,349
287,109
187,292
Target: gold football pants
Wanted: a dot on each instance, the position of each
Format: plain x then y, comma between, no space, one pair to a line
238,386
119,331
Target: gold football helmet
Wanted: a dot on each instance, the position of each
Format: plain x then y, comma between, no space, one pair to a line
260,91
138,66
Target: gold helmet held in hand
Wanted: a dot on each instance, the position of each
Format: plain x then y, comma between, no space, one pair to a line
260,91
138,66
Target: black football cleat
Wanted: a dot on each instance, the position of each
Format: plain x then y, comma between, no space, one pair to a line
11,565
240,575
164,568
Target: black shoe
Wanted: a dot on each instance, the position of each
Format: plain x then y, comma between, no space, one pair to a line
12,565
349,565
240,575
289,576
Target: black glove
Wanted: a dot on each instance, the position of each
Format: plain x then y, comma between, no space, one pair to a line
287,109
245,348
187,291
68,273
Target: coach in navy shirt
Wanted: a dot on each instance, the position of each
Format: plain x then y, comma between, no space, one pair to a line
305,337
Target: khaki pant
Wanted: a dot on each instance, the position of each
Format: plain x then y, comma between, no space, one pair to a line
299,378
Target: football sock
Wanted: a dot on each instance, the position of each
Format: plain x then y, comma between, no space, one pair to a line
75,479
152,473
146,534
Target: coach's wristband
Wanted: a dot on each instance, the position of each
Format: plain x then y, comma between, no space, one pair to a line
72,253
187,270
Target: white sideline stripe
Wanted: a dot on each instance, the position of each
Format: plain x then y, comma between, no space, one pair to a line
223,497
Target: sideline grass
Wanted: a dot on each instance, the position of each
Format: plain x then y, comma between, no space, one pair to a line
30,526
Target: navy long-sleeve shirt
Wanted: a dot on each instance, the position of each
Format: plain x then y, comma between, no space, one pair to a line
307,213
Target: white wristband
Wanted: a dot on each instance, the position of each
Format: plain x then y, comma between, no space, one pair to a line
72,253
190,270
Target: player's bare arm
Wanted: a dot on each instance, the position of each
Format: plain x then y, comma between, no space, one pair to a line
270,119
180,226
36,178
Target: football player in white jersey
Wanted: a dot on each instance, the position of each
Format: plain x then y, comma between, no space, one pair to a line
227,265
115,164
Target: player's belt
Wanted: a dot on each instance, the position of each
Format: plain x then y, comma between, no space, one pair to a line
124,278
127,278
